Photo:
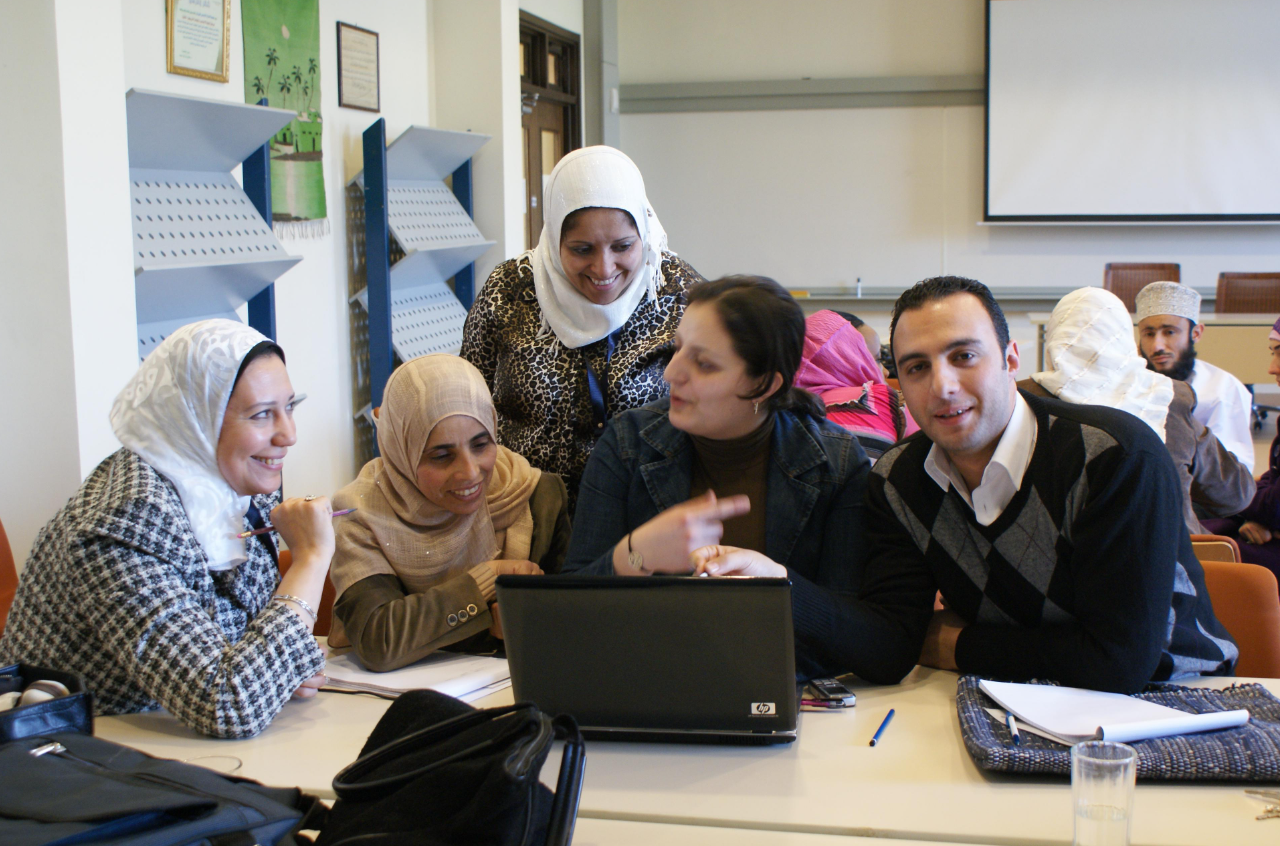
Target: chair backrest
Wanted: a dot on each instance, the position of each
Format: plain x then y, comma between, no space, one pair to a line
1246,600
8,578
1215,548
1126,279
1248,293
324,614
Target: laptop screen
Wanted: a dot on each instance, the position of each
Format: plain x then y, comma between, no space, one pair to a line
675,654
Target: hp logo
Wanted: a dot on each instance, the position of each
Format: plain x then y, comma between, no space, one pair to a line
763,709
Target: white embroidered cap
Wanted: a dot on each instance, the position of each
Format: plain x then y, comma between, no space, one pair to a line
1169,298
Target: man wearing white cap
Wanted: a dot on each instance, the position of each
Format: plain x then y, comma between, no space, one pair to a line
1168,328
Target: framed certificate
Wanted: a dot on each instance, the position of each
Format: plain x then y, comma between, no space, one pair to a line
358,83
198,38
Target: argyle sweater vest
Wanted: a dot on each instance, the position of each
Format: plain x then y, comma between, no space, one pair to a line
1088,575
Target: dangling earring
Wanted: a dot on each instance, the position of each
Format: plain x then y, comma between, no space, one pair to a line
756,410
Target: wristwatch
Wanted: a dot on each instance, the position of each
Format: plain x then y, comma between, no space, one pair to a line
635,559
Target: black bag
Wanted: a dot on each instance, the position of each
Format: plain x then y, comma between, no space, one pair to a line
65,713
72,788
437,771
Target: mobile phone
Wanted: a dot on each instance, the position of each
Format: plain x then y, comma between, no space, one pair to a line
832,690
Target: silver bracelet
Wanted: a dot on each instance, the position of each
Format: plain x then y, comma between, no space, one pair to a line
301,603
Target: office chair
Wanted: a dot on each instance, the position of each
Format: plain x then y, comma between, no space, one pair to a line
1126,279
1250,293
1246,600
8,578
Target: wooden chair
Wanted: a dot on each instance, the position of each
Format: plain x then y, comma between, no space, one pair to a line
324,614
1126,279
8,578
1248,293
1246,600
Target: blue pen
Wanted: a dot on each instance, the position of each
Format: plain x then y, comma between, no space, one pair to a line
883,726
1013,728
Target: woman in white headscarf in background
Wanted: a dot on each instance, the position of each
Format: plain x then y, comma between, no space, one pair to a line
141,585
581,327
1091,358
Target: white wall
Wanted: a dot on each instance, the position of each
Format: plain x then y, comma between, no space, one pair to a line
725,40
311,299
820,197
64,234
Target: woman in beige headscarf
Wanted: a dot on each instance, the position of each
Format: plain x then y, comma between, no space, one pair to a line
441,515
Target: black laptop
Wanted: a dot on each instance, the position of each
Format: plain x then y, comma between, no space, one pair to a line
657,658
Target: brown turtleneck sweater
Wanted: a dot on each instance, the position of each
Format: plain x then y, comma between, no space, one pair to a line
731,467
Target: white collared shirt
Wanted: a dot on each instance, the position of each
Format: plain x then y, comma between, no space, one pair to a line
1225,408
1003,474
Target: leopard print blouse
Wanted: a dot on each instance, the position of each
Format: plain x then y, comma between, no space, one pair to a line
540,387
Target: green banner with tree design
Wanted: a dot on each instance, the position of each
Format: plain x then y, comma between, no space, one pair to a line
282,64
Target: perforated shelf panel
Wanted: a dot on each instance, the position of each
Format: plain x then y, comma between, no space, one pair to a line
199,245
151,334
427,216
424,319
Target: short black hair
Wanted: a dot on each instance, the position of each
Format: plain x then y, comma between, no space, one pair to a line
258,351
941,287
767,327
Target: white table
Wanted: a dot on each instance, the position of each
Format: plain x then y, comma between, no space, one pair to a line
918,784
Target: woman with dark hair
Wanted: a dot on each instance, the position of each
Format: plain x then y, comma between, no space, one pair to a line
736,473
579,328
143,583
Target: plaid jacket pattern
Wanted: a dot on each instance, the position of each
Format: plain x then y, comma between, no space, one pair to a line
117,590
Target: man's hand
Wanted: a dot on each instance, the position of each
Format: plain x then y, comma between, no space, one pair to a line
1255,533
311,686
939,648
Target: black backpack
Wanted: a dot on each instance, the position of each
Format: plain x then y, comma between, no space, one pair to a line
437,771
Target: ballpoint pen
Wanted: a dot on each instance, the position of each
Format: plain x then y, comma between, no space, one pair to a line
266,529
1013,728
887,717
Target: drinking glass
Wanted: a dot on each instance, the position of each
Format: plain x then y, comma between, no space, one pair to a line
1102,778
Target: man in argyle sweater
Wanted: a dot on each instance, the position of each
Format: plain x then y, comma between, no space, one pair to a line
1053,531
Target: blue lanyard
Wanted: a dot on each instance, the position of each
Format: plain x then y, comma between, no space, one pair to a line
597,387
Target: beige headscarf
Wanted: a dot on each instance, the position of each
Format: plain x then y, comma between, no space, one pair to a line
400,532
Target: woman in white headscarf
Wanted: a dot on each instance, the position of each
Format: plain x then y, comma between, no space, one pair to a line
1092,359
142,583
581,327
441,514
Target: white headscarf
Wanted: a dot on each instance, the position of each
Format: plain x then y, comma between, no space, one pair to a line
171,414
593,177
1093,360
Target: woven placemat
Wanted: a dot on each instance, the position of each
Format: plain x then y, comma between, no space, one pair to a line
1248,753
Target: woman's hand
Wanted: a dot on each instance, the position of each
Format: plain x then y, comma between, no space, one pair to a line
503,567
306,525
311,686
734,561
667,541
1255,533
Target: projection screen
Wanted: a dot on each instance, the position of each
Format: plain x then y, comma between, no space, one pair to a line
1133,110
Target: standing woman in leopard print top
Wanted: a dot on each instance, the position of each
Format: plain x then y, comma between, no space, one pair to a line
581,327
141,583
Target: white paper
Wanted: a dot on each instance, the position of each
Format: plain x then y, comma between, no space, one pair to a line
1070,714
465,677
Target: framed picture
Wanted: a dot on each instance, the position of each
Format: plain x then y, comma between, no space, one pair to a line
358,82
198,38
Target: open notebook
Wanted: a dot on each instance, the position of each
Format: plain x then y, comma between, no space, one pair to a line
1070,715
465,677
